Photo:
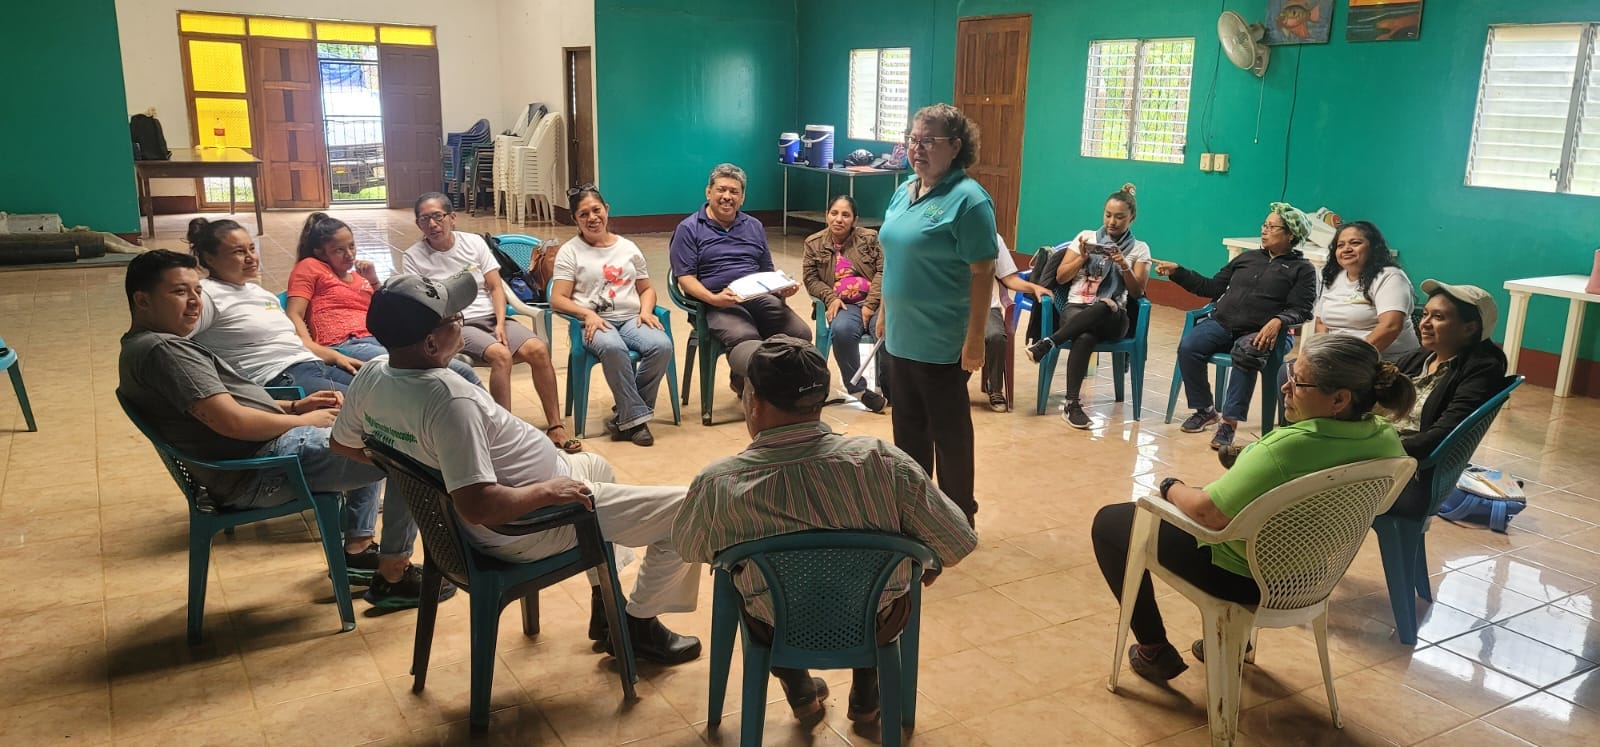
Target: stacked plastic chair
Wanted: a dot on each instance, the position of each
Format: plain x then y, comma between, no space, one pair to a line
458,146
505,145
539,171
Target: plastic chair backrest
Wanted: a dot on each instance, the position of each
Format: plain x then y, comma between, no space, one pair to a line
1141,322
1452,456
1301,537
519,247
826,586
425,495
681,299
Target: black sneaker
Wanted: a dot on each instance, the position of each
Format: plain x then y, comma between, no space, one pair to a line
361,566
1037,351
1198,648
1224,437
1200,419
1073,413
405,593
640,435
1156,663
873,401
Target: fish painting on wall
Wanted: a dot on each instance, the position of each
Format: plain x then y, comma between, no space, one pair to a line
1383,20
1299,21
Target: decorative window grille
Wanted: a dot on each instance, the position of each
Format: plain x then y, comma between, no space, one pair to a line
1136,99
1537,123
880,94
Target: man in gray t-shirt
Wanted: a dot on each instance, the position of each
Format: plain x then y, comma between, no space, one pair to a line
200,405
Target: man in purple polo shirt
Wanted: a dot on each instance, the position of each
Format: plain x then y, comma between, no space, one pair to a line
717,245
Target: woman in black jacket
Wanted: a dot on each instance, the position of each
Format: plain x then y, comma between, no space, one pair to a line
1457,370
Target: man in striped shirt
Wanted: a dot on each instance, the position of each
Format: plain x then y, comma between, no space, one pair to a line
799,475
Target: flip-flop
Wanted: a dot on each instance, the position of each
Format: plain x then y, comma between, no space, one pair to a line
571,445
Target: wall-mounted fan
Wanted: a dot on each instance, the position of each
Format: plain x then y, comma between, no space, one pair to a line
1241,41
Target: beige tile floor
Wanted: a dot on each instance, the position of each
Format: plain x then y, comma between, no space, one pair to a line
1016,643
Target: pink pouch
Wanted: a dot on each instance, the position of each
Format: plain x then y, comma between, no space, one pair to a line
1594,275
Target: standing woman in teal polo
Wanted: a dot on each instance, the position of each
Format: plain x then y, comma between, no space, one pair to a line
938,240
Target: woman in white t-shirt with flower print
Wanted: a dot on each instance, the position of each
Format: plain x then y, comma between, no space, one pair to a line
1365,294
601,278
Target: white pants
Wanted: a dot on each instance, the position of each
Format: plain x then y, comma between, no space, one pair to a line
630,516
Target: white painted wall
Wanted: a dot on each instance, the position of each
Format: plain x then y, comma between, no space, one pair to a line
533,33
468,38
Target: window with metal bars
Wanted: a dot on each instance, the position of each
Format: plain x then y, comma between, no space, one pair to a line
880,94
1537,125
1136,100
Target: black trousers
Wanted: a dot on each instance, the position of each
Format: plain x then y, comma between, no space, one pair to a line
933,423
1087,325
756,319
1177,551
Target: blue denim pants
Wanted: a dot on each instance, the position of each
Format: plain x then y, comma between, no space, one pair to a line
366,348
313,376
634,391
328,472
1194,354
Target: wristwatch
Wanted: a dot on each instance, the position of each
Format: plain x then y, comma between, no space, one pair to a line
1166,484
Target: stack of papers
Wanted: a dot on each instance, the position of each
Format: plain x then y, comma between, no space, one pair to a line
761,284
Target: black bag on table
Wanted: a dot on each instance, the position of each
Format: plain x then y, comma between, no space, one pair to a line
149,143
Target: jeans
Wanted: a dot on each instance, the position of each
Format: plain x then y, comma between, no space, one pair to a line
366,348
328,472
634,391
1194,353
313,376
1177,551
933,421
846,331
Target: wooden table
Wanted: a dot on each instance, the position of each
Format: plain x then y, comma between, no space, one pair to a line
849,175
195,163
1560,286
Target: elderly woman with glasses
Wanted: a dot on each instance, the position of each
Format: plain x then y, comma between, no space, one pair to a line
485,335
938,237
1259,293
600,277
1329,397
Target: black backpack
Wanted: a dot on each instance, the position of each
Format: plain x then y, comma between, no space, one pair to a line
149,144
514,275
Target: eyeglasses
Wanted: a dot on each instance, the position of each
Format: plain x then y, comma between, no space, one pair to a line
925,142
427,218
1294,384
580,189
1270,227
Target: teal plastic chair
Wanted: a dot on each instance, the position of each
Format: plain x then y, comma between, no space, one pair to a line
581,363
13,366
1127,355
822,339
825,587
1402,539
206,518
491,583
1224,364
702,345
520,248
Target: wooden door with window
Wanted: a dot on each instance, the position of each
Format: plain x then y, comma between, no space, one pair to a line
288,102
991,89
580,110
413,129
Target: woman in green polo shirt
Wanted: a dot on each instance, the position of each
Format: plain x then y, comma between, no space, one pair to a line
1329,397
938,240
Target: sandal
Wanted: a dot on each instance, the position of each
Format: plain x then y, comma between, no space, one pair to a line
571,445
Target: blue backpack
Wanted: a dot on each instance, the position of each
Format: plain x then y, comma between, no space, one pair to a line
1484,496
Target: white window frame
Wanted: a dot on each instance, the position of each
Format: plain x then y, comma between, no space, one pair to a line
890,104
1575,141
1135,147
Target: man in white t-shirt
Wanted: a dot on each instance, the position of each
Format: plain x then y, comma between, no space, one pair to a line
994,333
498,468
443,252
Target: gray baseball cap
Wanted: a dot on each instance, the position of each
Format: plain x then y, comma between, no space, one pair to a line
407,307
786,371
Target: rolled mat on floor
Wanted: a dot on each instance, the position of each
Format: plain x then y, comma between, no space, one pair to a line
36,248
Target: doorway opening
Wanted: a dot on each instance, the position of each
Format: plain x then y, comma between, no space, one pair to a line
352,120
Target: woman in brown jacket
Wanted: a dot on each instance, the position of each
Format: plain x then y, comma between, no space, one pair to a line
843,265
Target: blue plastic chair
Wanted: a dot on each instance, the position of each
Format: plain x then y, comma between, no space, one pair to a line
1224,363
491,583
702,344
13,366
1402,539
206,518
825,587
520,248
1127,354
581,363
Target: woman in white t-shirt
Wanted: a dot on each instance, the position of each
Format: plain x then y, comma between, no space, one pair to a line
1101,271
245,325
1365,294
600,278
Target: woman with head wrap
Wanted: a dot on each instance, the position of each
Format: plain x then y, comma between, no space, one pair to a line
1258,294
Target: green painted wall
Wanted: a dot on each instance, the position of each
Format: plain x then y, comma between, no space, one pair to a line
682,85
64,144
1379,131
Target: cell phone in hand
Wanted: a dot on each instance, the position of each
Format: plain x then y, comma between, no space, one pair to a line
1101,249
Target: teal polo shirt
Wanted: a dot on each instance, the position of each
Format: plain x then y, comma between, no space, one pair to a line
1289,452
929,246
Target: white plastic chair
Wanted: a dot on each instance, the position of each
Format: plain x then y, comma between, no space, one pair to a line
1300,538
537,171
505,154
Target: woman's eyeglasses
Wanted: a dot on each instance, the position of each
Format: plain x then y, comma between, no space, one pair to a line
1293,384
924,142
